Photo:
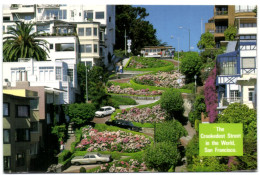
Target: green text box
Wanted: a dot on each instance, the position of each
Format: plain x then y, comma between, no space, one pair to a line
221,139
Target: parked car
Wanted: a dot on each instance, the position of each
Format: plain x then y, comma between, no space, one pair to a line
124,124
91,158
103,111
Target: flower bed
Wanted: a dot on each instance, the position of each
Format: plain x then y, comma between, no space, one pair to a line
111,141
145,92
161,79
144,115
122,167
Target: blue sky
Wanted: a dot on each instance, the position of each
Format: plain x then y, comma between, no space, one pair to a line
166,19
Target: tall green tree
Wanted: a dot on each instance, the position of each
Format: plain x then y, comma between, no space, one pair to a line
190,66
22,43
206,41
131,20
230,33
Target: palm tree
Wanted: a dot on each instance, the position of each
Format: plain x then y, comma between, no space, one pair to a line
22,43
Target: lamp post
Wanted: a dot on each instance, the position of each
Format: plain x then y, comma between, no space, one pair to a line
189,34
195,77
125,40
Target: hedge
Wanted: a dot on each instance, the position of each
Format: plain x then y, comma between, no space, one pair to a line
128,62
170,66
78,134
64,155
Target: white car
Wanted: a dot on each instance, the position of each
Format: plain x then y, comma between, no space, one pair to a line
103,111
90,158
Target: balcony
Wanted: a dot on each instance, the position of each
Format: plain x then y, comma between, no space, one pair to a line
217,13
224,102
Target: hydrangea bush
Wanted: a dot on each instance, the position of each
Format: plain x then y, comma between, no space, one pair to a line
111,141
120,166
161,79
145,92
144,115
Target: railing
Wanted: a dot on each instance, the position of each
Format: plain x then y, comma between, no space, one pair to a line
227,101
221,13
220,30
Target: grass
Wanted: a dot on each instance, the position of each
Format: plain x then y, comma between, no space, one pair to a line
117,100
169,66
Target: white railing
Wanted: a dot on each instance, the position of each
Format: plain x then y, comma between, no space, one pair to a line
224,101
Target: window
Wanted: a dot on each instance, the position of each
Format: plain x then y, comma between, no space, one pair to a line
22,135
72,13
39,10
34,104
100,15
34,126
247,37
7,162
251,94
109,19
81,49
88,48
245,25
248,63
22,111
34,149
7,136
95,31
81,32
70,74
95,48
20,159
6,107
88,31
92,156
234,94
58,73
64,47
248,47
51,46
88,15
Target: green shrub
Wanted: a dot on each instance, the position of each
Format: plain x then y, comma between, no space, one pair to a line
162,156
172,102
82,170
169,131
78,134
59,131
81,113
64,156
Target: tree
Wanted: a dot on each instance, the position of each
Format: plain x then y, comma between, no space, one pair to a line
190,66
81,113
22,43
230,33
206,41
162,157
240,113
81,76
172,102
208,164
130,19
97,77
199,106
169,131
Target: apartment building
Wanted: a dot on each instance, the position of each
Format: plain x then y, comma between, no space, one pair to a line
20,136
96,28
237,69
224,16
51,74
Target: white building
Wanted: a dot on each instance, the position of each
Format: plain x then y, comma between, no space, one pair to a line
94,23
237,70
51,74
